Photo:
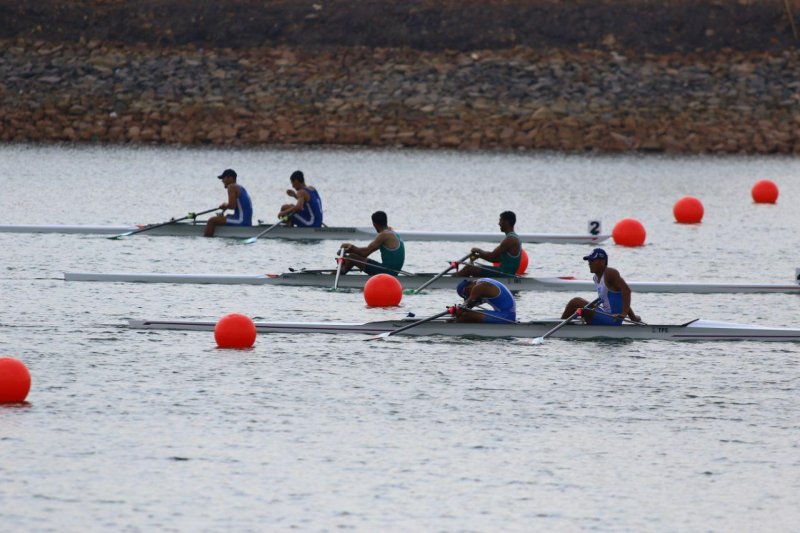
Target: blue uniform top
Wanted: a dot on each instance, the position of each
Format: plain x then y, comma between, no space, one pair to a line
243,213
610,303
503,301
311,214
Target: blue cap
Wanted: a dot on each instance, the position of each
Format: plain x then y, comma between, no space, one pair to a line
227,173
597,253
462,288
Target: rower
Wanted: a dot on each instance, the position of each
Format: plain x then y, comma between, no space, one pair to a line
489,291
393,251
238,200
307,212
614,293
508,253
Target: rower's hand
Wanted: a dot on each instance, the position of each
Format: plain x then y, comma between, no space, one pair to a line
290,192
346,246
636,318
223,206
619,316
456,310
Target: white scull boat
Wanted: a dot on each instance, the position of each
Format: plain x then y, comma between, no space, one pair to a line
325,279
182,229
696,330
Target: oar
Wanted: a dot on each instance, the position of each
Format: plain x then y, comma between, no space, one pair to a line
251,240
494,270
339,261
409,326
625,319
540,340
174,220
483,312
450,267
387,269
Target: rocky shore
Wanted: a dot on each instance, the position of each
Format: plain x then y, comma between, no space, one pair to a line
583,97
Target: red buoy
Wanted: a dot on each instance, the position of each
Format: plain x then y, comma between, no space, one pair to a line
383,290
15,380
235,331
688,210
765,192
523,263
629,232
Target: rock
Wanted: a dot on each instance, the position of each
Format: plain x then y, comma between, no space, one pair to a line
543,113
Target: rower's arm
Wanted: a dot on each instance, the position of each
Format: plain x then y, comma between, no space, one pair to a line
481,291
615,282
302,198
495,254
233,194
364,251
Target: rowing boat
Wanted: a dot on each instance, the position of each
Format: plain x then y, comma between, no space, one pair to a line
325,278
696,330
181,229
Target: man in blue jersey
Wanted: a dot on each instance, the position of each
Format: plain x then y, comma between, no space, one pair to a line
393,251
238,200
307,211
614,294
488,291
508,253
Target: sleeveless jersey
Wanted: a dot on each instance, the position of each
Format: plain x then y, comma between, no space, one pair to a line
503,301
610,301
395,258
311,214
509,264
243,212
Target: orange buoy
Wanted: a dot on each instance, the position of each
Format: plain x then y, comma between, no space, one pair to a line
383,290
765,192
523,263
629,232
235,331
688,210
15,380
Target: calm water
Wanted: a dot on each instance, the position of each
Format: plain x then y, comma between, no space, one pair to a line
160,430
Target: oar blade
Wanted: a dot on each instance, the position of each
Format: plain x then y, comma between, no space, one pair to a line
121,235
379,336
537,341
249,240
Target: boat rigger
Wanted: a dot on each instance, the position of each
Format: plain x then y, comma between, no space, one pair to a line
326,278
181,229
695,330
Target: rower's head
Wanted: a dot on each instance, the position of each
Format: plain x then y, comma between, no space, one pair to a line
598,260
507,221
465,287
228,176
298,180
380,221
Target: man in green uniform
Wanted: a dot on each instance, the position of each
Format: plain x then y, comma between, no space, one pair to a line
393,253
508,253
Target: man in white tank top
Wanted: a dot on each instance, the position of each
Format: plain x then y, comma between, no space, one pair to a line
613,292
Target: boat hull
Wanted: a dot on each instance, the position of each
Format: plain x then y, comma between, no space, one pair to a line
697,330
328,233
325,279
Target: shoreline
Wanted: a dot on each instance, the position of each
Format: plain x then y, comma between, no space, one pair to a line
586,101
